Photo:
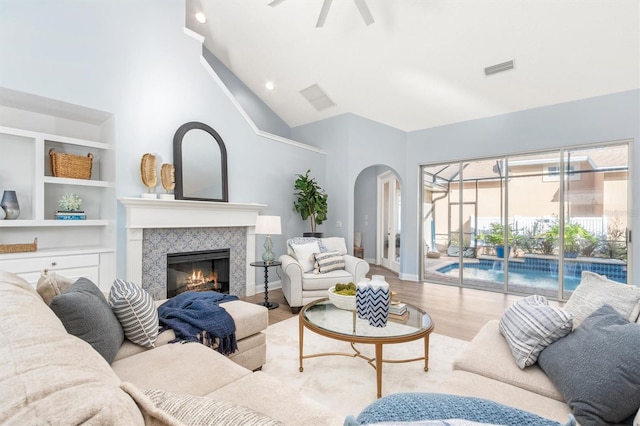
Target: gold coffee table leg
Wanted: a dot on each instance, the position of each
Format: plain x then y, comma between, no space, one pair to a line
426,353
301,336
379,368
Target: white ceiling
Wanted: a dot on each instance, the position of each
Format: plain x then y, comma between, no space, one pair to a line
421,64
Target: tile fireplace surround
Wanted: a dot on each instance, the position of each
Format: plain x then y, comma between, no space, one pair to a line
156,227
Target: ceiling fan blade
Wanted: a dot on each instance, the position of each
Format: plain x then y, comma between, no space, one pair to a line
323,13
274,3
364,11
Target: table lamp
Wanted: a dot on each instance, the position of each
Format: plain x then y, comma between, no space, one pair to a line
268,225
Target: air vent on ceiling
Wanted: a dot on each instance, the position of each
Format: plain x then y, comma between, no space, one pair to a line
317,97
494,69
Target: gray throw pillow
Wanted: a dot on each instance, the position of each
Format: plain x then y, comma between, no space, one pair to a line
597,368
85,313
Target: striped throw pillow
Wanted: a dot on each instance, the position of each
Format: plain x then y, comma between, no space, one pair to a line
203,411
328,261
530,325
135,310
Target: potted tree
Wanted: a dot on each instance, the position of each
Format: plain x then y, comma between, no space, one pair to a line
311,202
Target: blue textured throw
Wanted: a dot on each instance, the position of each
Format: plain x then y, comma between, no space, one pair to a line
417,407
197,317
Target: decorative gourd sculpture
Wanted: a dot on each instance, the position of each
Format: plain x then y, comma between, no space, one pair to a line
148,172
168,177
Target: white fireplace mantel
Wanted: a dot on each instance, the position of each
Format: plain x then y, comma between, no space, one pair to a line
145,213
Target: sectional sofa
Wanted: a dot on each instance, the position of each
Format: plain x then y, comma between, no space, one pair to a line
48,376
591,369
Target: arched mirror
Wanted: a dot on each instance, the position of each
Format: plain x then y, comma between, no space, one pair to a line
200,163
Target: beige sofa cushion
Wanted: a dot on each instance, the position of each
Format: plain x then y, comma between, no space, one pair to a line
311,281
48,376
249,318
270,397
469,384
489,355
160,368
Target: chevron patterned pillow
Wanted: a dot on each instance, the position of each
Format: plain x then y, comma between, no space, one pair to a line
135,310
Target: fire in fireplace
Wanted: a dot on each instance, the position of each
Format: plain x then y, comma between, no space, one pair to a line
206,270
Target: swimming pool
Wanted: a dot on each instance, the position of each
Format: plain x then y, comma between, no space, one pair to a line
495,273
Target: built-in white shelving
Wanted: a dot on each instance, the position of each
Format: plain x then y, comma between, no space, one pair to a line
73,247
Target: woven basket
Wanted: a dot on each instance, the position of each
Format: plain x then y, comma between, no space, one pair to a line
71,166
19,248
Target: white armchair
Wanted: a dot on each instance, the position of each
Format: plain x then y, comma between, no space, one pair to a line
301,284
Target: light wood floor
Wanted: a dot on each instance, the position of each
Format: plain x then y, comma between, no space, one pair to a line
456,312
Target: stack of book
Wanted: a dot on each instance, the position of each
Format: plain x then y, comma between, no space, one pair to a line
398,311
70,215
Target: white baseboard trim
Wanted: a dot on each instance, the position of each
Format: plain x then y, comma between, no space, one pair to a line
409,277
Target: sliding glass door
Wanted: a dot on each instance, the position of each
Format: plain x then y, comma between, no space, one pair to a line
528,223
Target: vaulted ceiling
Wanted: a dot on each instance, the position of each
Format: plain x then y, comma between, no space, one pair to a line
421,63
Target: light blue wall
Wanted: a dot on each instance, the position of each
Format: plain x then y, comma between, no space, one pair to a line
352,143
260,113
134,60
599,119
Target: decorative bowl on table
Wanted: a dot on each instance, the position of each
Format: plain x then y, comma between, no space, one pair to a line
348,303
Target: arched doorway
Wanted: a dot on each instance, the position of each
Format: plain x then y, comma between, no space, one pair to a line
377,221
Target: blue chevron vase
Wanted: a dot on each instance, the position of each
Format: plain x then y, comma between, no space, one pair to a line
362,298
379,305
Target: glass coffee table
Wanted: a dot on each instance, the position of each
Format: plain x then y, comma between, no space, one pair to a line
324,318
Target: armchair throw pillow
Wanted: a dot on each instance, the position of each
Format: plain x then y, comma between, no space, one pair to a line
335,244
530,325
136,311
327,262
304,254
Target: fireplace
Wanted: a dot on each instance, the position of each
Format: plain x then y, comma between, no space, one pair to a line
206,270
156,227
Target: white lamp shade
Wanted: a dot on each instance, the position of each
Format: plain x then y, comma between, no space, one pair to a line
268,225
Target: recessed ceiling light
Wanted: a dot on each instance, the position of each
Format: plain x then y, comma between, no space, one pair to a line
269,85
200,17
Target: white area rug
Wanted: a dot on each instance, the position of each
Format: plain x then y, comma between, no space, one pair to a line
347,385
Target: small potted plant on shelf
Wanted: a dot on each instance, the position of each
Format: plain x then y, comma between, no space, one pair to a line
70,205
311,202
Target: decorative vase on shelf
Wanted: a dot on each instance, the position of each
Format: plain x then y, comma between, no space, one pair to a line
10,205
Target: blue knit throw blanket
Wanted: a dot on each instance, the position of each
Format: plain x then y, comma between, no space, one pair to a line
198,317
